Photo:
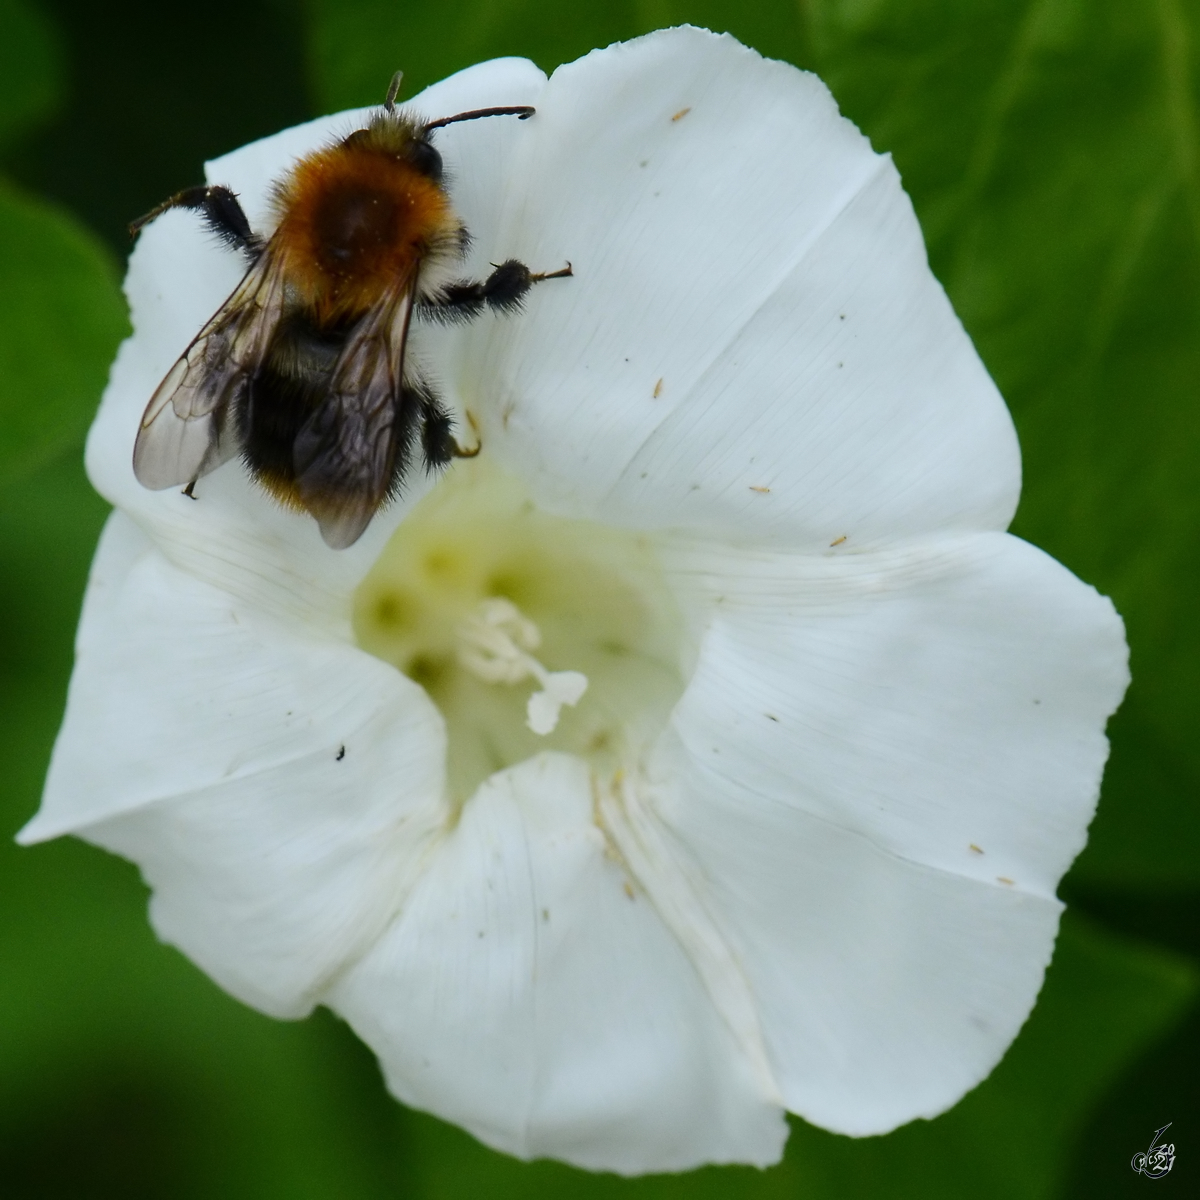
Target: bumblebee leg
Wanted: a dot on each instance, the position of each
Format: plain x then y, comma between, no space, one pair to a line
438,442
222,214
505,287
502,291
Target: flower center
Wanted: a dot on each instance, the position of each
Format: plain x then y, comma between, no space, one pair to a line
528,631
493,643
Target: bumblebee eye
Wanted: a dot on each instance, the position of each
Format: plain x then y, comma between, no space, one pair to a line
426,159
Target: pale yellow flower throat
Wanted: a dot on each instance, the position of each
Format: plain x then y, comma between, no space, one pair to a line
479,593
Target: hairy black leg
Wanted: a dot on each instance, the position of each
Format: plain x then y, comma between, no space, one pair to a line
502,291
438,442
221,211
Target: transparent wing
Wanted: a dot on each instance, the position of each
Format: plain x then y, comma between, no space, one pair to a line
184,433
345,455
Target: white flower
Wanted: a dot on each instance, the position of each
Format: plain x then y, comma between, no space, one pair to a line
796,844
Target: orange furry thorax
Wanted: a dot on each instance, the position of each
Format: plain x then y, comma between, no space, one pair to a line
355,221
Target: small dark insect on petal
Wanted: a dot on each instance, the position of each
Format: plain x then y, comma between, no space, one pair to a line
341,753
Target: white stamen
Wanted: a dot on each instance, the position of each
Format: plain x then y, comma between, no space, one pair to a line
494,645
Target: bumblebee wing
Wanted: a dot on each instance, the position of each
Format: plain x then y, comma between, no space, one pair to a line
184,433
346,454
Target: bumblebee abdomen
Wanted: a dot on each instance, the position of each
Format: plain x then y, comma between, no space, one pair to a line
291,383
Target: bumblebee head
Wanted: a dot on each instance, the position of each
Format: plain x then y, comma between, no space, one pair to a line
409,139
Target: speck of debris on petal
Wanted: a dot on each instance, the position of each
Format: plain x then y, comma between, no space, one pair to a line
683,112
771,717
838,541
760,490
658,389
974,848
628,889
1004,879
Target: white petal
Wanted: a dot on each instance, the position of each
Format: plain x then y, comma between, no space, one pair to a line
751,309
931,698
886,990
851,404
883,764
179,275
276,787
531,994
274,883
178,686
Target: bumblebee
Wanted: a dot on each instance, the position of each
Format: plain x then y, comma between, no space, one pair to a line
302,371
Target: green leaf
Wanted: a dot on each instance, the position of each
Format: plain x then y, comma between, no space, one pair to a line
31,70
124,1072
1051,150
63,316
99,1025
355,45
1104,1000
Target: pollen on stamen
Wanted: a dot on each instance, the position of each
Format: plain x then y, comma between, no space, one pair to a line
494,645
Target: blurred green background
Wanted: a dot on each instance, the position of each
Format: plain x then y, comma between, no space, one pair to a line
1052,149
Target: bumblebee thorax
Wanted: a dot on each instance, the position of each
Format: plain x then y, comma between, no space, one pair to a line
357,218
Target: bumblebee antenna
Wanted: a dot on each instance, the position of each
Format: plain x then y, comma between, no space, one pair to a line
389,102
522,112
